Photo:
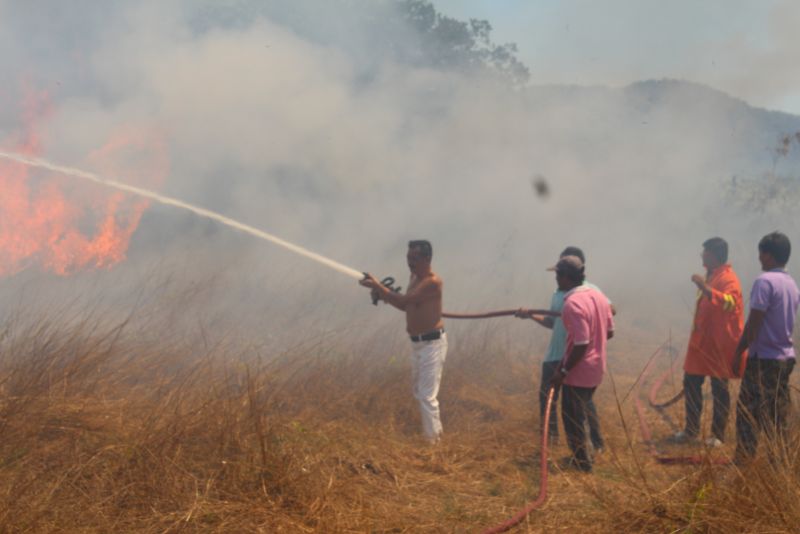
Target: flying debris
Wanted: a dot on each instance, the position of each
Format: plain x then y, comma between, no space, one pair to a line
540,186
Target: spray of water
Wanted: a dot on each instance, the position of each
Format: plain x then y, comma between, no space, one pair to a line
169,201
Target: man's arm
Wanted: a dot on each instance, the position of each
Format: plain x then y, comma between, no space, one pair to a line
575,356
610,321
425,290
547,322
726,295
700,281
751,328
398,305
377,289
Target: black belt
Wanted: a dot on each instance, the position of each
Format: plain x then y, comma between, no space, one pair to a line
429,336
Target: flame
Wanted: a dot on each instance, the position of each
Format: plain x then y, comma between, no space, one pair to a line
61,226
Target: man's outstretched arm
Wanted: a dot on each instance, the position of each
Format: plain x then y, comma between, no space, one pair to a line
547,322
425,290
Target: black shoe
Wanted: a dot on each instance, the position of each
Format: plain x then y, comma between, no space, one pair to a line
570,463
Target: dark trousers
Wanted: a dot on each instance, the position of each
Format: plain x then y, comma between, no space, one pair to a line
763,405
693,399
594,425
548,369
574,407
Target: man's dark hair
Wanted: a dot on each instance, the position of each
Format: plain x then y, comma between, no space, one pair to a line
573,275
573,251
777,245
424,246
718,247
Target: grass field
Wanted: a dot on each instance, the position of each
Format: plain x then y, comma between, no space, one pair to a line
107,427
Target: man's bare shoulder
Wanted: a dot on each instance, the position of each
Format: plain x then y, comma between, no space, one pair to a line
430,285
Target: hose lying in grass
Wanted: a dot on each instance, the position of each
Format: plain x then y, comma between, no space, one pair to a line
522,514
657,386
645,428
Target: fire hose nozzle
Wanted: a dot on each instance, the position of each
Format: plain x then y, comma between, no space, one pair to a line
388,282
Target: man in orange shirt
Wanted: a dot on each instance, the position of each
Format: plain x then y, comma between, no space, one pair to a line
718,325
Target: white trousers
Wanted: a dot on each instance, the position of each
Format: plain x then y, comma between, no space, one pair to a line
426,372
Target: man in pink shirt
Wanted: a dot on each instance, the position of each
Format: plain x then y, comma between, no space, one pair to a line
588,320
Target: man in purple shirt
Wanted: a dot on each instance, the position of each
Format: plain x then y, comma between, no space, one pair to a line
764,394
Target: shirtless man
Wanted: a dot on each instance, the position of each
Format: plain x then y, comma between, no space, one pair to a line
423,306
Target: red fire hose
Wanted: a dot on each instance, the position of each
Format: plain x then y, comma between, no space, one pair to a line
657,386
499,313
522,514
388,282
646,435
645,428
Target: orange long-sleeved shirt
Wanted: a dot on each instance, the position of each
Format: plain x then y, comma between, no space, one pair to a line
718,325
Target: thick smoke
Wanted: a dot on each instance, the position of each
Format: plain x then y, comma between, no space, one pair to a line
318,122
759,64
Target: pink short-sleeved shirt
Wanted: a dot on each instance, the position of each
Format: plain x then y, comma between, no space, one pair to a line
588,320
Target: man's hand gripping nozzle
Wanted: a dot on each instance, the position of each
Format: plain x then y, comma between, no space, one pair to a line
387,282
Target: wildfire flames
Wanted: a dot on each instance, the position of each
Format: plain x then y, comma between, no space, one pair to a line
62,226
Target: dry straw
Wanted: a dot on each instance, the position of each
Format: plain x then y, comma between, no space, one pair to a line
112,428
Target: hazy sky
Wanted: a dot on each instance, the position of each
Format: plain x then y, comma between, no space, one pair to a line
298,118
746,48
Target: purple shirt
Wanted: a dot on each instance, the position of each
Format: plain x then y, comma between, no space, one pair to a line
776,294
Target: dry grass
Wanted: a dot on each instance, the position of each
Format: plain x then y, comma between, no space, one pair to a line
111,429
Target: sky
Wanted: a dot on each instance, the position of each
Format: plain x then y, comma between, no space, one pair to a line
743,47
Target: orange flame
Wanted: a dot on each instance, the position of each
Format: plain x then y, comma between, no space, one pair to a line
63,226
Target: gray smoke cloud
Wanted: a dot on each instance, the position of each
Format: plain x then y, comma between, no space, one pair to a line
758,66
314,121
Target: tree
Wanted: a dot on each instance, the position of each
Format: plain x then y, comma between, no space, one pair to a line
409,32
447,43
